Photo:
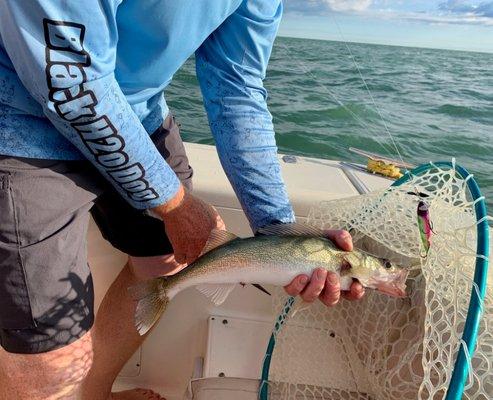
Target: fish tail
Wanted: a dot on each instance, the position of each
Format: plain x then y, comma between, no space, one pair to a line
152,301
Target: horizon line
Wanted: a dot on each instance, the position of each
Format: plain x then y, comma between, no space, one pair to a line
387,44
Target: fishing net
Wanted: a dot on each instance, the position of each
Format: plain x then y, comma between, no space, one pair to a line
386,348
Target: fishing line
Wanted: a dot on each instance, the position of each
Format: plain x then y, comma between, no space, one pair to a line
354,115
308,72
369,91
334,97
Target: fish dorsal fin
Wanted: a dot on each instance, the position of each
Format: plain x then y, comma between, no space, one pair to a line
217,238
291,229
218,293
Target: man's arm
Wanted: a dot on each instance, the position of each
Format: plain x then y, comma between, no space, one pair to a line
231,65
64,53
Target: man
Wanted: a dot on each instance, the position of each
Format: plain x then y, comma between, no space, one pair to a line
84,80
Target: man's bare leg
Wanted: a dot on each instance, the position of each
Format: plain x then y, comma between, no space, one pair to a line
55,375
114,336
87,368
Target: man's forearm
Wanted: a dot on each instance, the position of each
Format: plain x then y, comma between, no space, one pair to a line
231,78
244,133
70,72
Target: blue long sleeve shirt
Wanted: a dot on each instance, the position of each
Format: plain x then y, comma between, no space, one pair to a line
87,79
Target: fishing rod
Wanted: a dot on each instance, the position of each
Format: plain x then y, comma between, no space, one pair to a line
404,164
308,72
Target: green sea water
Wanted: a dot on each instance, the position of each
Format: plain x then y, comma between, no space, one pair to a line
437,104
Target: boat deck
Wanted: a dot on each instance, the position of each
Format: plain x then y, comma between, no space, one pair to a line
191,339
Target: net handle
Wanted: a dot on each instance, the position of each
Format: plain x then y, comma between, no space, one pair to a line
264,387
469,336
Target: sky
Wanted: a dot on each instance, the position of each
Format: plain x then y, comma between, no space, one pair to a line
445,24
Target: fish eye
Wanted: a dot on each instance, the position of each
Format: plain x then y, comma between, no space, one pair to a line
387,264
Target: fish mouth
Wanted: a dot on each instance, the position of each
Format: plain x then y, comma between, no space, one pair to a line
395,285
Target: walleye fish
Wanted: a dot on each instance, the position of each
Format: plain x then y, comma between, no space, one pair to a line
282,253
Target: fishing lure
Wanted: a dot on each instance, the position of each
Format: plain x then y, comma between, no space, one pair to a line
425,226
424,223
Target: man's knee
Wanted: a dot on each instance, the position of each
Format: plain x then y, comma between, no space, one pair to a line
52,375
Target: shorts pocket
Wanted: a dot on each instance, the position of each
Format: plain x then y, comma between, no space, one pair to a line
15,306
169,143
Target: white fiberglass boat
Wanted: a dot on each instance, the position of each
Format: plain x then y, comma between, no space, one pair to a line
202,351
216,352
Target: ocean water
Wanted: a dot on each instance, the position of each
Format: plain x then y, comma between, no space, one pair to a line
436,104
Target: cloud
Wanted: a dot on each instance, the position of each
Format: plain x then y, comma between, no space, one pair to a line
460,7
349,5
320,6
451,19
437,12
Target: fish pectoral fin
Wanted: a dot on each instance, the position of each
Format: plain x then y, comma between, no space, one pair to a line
291,229
218,293
217,238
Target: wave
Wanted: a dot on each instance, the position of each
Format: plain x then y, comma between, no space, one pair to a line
436,104
349,111
455,110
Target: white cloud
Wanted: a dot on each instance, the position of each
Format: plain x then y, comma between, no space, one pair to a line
444,12
443,18
311,6
348,5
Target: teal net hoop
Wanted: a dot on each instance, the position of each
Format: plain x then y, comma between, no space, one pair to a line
477,296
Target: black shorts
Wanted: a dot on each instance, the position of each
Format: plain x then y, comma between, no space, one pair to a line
46,291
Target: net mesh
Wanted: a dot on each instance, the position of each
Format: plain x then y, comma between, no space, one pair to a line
391,348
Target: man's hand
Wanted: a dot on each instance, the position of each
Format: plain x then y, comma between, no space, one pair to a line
188,222
325,285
